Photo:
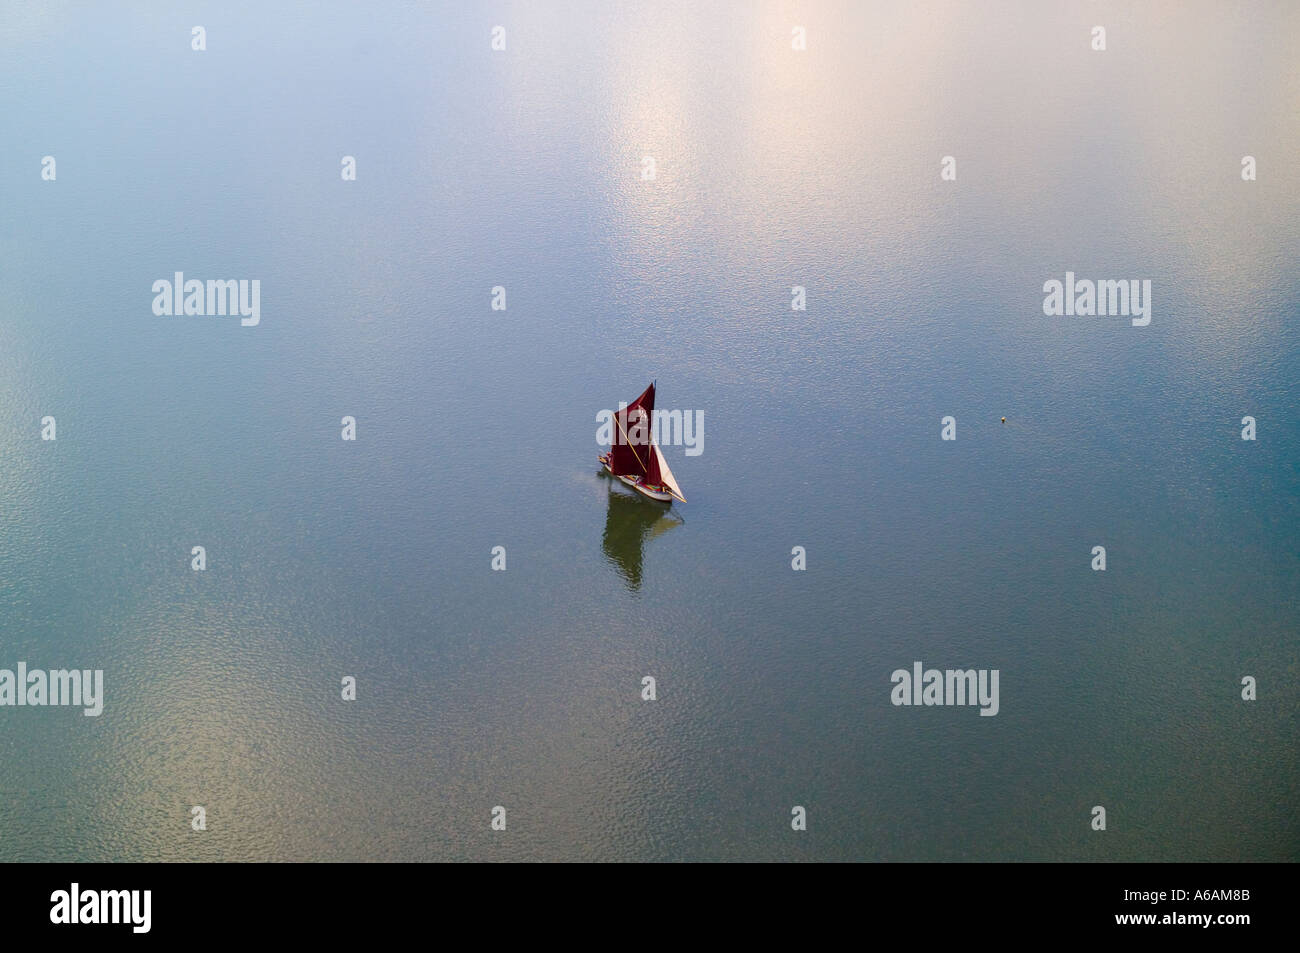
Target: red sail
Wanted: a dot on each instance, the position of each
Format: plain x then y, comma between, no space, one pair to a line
653,473
630,454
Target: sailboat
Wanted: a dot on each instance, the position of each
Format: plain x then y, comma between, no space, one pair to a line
635,458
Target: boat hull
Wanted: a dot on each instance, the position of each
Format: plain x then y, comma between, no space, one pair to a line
635,483
660,495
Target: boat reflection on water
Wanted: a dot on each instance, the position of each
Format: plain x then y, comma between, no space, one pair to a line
629,522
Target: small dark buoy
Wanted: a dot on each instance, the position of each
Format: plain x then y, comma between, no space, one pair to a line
1004,420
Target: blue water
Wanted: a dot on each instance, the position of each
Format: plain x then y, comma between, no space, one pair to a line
476,428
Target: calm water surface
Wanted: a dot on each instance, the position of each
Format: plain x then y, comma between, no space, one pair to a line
821,429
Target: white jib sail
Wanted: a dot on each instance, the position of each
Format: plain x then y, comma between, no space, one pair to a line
666,474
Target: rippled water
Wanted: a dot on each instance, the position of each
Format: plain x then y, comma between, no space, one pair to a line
774,168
